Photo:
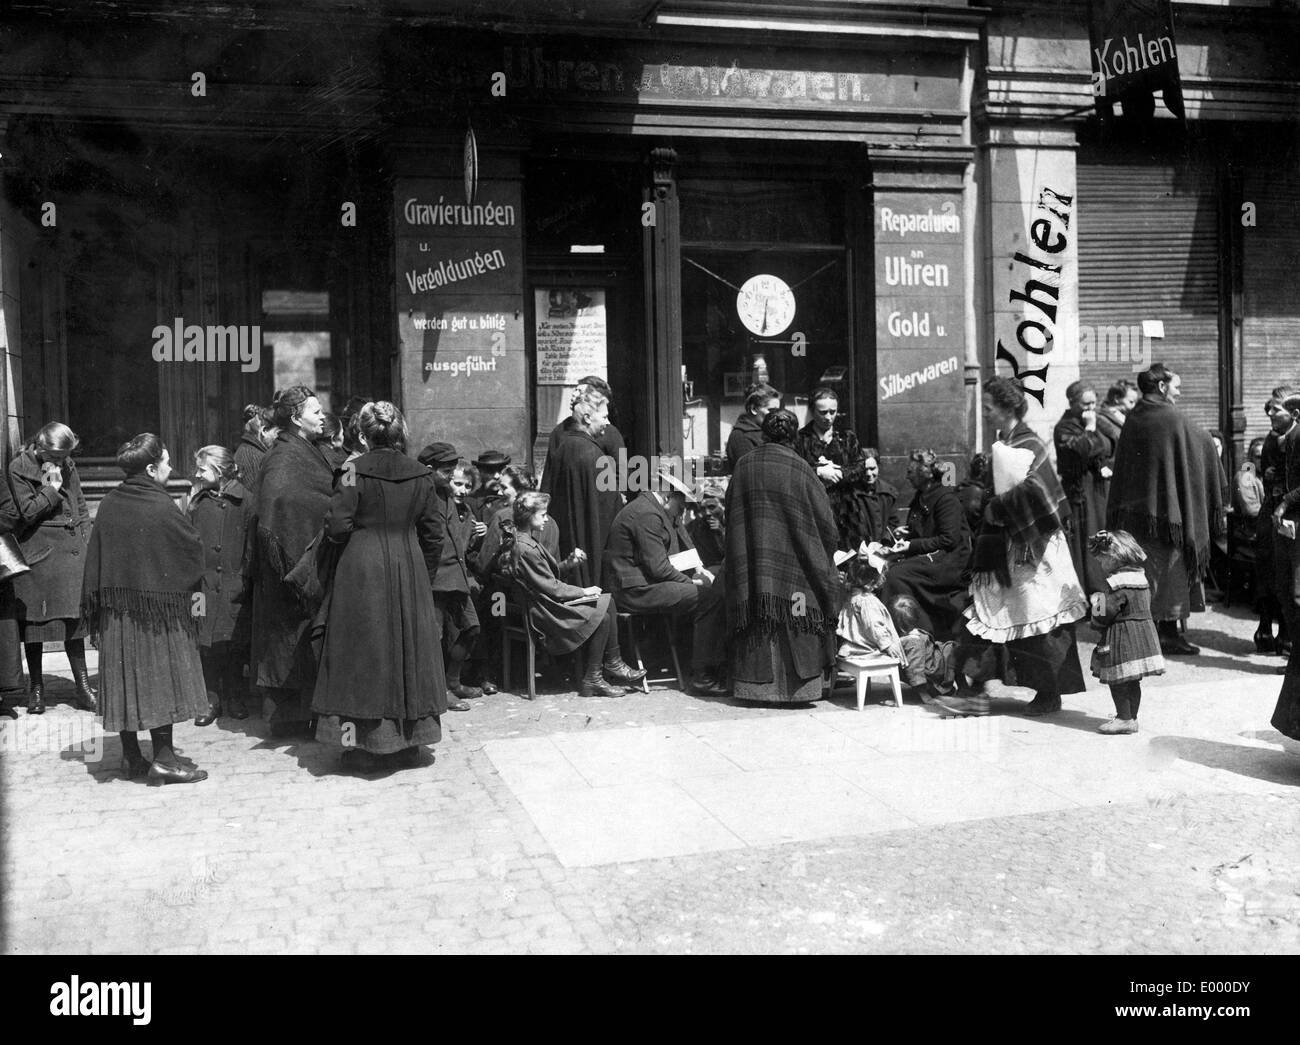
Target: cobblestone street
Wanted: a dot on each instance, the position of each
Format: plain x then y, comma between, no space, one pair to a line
665,823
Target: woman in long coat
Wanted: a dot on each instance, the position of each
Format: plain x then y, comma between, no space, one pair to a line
930,565
53,534
783,592
582,505
1083,459
143,569
293,496
1024,589
381,690
222,511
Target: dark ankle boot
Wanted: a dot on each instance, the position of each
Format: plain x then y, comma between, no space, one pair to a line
36,697
617,671
214,710
86,699
594,685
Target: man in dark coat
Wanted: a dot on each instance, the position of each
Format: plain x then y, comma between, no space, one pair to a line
638,571
747,433
1168,490
1083,457
583,483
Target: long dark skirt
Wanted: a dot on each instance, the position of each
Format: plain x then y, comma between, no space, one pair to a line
938,586
1286,716
783,666
1049,664
379,736
148,678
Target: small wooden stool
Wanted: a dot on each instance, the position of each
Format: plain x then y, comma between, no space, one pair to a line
862,676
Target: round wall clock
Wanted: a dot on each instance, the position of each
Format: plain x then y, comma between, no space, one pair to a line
766,305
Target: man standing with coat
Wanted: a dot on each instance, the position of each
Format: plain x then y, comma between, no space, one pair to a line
1168,490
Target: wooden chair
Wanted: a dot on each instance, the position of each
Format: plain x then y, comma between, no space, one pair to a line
628,622
862,676
515,628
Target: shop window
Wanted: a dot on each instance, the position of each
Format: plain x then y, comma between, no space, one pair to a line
296,341
764,298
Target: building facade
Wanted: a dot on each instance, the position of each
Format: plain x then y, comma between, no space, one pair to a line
465,214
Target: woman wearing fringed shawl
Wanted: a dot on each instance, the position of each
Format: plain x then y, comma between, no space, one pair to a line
293,495
783,591
1168,491
144,565
1025,591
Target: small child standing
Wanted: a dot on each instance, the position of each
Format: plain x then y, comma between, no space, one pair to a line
864,628
1129,649
931,666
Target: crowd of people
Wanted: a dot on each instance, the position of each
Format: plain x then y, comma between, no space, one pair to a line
359,591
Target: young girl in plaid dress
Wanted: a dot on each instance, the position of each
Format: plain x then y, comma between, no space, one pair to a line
1129,649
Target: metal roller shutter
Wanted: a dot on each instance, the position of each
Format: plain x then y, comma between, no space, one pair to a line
1148,249
1270,278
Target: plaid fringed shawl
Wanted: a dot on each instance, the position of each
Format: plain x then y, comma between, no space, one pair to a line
293,495
1024,518
144,561
781,539
1168,483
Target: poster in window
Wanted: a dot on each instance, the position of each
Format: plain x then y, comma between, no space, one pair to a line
571,335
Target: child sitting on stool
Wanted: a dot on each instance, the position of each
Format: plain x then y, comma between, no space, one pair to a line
865,630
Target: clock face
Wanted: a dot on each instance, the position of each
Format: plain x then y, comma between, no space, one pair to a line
766,305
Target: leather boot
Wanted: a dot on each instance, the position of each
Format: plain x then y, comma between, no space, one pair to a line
86,698
617,671
594,685
36,697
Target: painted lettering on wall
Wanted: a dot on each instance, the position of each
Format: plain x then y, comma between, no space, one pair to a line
1049,222
892,384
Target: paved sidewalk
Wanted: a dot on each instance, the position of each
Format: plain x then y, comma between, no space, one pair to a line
666,823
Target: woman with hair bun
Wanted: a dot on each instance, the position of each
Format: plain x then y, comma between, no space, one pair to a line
1026,594
381,689
144,567
221,510
53,534
254,442
293,496
930,564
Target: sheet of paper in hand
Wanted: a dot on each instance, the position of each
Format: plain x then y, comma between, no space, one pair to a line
686,561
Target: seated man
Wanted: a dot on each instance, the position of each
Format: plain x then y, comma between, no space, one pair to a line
644,533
